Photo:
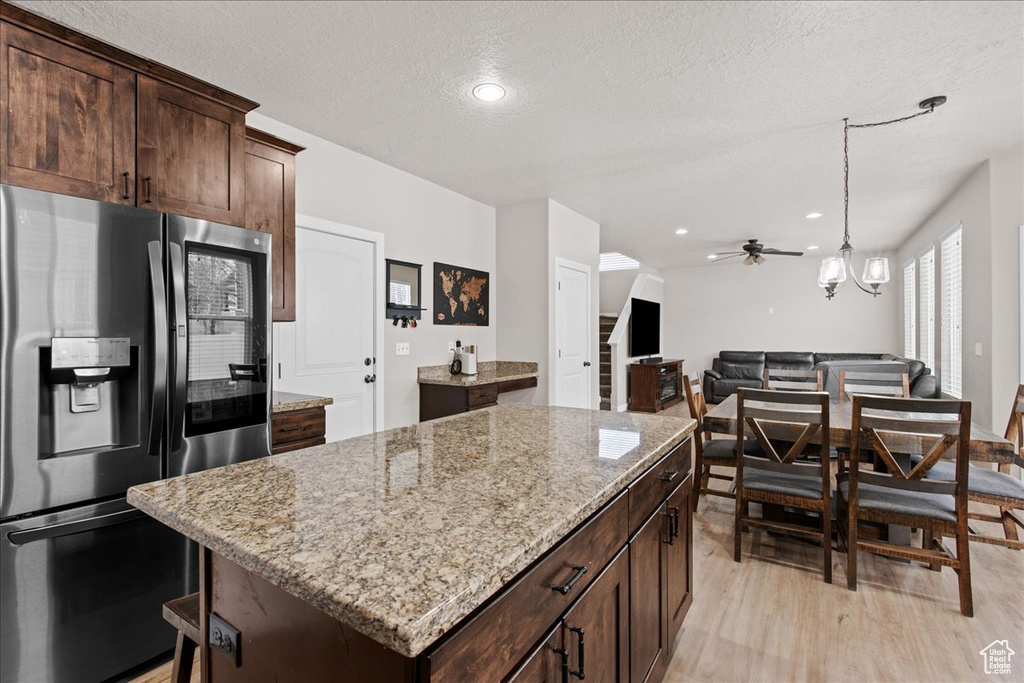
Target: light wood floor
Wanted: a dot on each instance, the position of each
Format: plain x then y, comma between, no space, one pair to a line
771,617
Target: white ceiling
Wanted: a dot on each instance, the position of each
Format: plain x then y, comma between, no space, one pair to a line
725,118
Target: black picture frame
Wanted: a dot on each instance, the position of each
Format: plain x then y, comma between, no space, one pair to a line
411,311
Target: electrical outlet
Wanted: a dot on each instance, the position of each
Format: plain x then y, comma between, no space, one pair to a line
225,637
402,349
451,346
771,311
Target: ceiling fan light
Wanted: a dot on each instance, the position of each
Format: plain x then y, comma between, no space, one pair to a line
832,272
749,261
759,259
876,271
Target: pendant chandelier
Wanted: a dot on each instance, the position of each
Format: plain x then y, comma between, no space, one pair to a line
835,269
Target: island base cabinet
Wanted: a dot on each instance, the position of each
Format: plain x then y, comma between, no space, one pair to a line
597,627
547,663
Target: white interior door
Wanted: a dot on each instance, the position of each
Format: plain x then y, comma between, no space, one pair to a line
325,351
572,335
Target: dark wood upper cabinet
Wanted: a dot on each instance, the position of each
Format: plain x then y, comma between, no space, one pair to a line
191,153
270,208
69,123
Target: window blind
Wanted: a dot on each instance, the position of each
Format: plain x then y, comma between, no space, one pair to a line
951,316
926,307
613,260
910,310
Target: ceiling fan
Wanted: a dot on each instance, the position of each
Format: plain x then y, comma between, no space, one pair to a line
753,251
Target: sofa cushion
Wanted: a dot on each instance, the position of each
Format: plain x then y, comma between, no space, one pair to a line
743,356
830,370
732,370
926,386
727,387
825,357
789,360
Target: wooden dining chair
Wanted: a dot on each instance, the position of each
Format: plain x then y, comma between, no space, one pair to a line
998,488
894,428
710,452
873,384
787,479
793,380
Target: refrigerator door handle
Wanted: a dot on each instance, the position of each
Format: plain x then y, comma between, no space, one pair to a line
74,527
158,401
180,334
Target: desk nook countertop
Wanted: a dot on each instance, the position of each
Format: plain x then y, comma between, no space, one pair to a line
489,372
401,534
286,402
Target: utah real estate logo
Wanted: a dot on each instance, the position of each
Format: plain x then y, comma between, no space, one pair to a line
997,657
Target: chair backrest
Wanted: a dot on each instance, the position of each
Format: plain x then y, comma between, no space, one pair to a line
793,380
695,400
891,427
873,384
787,420
1015,426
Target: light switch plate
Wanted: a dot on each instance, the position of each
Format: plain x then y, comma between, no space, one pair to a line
402,349
977,349
451,346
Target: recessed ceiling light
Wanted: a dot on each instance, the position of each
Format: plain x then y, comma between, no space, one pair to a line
712,256
812,247
682,231
814,214
488,92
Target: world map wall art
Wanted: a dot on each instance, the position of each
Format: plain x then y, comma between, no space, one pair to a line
461,295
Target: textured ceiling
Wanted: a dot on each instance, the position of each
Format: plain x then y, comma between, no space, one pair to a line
725,118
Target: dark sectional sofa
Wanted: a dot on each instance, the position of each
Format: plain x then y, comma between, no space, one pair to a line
734,369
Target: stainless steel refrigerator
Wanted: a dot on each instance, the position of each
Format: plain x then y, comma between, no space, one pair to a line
133,347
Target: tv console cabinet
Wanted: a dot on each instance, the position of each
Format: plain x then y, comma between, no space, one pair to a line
655,386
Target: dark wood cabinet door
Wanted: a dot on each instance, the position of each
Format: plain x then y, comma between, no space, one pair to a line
191,153
270,208
597,626
69,119
545,663
647,597
679,561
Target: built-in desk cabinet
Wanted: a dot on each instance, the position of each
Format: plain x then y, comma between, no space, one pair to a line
86,119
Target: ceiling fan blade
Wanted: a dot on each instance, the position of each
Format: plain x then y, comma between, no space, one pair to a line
730,253
776,252
723,257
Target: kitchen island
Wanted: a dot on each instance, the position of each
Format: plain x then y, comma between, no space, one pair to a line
514,541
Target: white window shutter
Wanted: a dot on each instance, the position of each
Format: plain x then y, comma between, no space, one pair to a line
910,310
926,308
951,342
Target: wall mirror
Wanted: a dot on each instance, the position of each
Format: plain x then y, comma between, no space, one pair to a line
403,290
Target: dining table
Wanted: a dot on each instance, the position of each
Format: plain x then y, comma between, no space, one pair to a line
986,445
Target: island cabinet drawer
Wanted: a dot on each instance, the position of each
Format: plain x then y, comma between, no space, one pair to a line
297,425
653,486
490,644
478,397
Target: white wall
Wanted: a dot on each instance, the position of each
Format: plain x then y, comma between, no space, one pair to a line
990,204
422,222
615,286
522,258
530,237
726,307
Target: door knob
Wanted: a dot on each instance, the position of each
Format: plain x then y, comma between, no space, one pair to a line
370,379
367,361
586,363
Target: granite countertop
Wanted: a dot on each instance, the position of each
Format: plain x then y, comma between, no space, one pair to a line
401,534
284,401
488,372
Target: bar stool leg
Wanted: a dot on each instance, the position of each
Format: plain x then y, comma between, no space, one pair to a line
184,655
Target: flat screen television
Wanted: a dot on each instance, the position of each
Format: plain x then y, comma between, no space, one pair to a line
644,328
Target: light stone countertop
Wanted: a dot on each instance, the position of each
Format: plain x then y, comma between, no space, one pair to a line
284,401
401,534
488,372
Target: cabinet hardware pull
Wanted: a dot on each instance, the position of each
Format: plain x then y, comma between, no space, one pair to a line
293,428
564,654
580,674
669,476
674,521
127,190
149,192
671,536
564,590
